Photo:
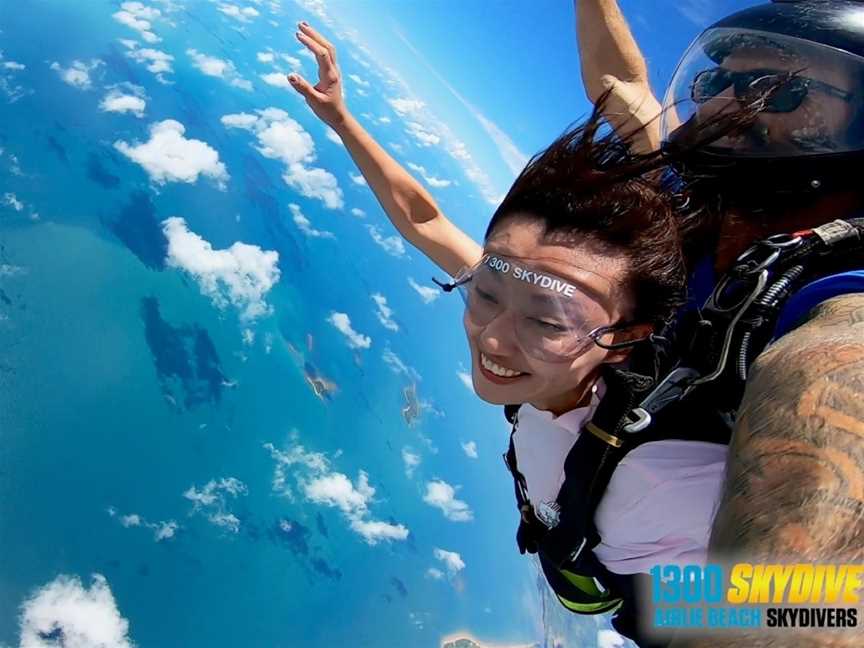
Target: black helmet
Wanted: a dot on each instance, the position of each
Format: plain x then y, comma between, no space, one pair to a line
802,63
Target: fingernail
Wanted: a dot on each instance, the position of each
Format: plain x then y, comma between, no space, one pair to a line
304,23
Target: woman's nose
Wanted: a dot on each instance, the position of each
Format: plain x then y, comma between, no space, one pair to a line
498,336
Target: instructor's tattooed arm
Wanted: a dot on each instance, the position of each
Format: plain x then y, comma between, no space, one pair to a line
794,488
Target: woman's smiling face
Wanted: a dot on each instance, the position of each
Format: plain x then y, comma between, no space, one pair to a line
495,348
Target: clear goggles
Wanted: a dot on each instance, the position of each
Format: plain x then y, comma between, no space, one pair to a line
809,93
553,320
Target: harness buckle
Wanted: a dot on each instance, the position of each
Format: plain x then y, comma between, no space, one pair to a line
549,513
749,264
670,389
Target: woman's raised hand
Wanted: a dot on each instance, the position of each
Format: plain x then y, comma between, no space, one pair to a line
324,98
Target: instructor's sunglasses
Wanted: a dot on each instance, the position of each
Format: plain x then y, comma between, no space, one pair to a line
784,91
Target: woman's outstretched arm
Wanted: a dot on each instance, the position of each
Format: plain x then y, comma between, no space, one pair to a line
611,60
411,208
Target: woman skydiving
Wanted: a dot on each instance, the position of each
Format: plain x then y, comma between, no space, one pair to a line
580,264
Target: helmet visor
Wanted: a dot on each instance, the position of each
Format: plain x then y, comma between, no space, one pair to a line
809,94
553,319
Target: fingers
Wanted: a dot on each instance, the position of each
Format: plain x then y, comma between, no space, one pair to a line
302,86
327,71
309,31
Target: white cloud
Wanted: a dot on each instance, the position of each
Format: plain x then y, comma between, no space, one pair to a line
314,183
466,379
434,573
220,68
305,225
248,337
424,136
337,490
161,530
333,136
225,520
292,61
374,531
343,323
83,617
427,293
359,213
11,200
358,179
470,449
384,312
507,149
240,120
323,486
157,61
241,275
431,180
411,460
244,14
510,153
452,561
164,530
406,106
169,157
130,520
78,74
610,639
392,245
213,502
121,102
442,495
266,57
277,79
8,85
138,16
399,367
358,80
284,139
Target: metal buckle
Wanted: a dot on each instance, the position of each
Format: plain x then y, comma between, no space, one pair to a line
773,246
669,390
549,513
759,285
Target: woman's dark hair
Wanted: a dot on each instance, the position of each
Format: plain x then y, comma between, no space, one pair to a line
588,188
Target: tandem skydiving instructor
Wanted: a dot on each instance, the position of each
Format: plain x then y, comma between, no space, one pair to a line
772,347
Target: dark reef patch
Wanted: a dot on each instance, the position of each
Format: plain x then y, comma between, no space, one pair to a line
260,192
323,568
99,174
186,362
322,528
292,534
399,586
138,228
58,149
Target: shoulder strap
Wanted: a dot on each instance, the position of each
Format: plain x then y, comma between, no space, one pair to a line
723,338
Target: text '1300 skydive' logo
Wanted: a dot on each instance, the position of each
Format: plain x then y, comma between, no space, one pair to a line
749,595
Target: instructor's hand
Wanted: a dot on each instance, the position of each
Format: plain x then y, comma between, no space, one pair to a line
324,98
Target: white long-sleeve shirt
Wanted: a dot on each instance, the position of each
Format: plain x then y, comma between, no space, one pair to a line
660,502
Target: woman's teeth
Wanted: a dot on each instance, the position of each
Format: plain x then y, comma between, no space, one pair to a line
498,370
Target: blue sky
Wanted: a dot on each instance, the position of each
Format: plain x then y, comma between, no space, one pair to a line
512,65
